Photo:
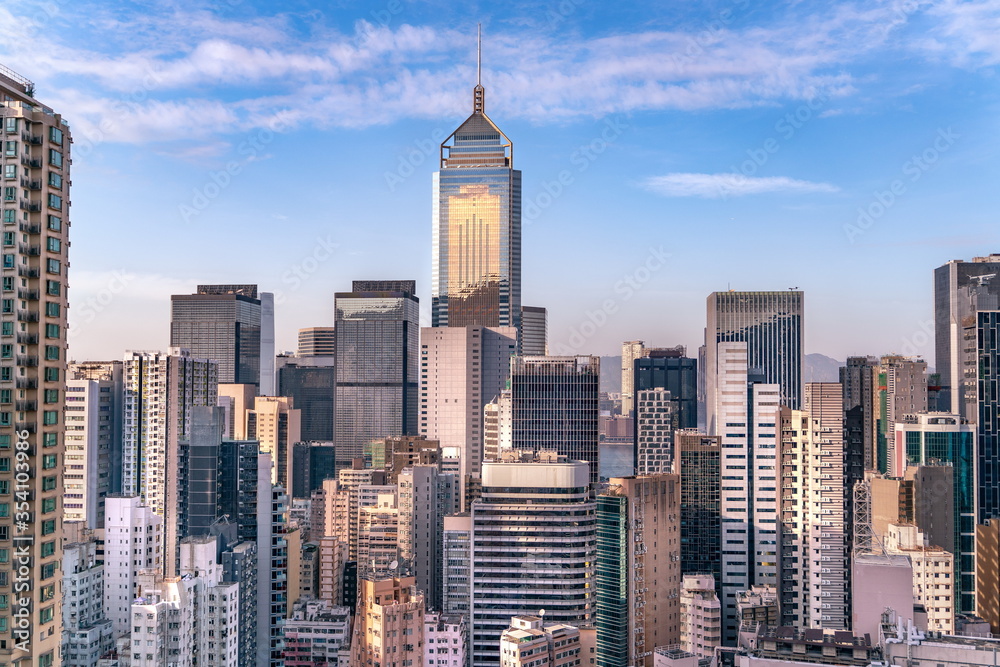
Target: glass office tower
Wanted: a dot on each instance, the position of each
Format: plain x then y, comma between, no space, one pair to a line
221,323
476,278
378,354
770,323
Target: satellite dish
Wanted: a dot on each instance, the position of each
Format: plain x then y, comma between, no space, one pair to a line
393,565
541,612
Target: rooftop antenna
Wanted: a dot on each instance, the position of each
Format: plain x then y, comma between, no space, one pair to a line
479,93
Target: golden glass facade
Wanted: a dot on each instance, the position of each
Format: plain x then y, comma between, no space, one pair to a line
477,228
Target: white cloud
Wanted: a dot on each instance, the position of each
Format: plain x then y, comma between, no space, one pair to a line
723,186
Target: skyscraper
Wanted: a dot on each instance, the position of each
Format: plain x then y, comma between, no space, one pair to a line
36,142
631,350
316,342
378,326
221,323
961,289
534,331
987,408
771,325
309,382
554,405
476,255
548,497
668,368
699,465
160,391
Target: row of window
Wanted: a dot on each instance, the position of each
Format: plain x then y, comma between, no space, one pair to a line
11,126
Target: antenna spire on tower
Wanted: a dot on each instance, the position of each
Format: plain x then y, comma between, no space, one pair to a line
479,93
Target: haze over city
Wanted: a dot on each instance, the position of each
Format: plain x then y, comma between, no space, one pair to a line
667,151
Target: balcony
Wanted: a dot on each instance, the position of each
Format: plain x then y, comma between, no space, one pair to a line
29,360
27,272
27,339
26,406
29,294
31,206
31,184
30,227
31,250
26,383
30,427
27,316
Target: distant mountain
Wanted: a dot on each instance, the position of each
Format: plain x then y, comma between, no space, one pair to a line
821,368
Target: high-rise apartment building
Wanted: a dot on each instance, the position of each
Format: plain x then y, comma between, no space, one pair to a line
34,276
317,342
554,406
87,634
902,387
446,640
277,425
942,438
133,542
309,382
638,569
961,289
93,444
669,369
521,496
534,331
476,252
631,350
462,369
378,325
530,643
813,537
746,410
933,575
426,496
771,326
160,392
456,581
699,464
389,623
316,634
701,615
859,378
378,535
221,323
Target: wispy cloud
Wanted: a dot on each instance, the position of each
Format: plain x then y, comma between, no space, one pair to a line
722,186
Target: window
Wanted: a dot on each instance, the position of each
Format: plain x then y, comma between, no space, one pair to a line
49,461
51,374
10,148
5,395
55,135
51,265
48,527
10,124
7,305
9,216
8,238
45,616
9,193
52,287
6,351
48,483
55,180
5,443
4,487
8,283
50,439
50,417
55,158
6,329
10,171
52,352
8,261
5,419
55,201
48,549
52,310
48,505
55,223
51,330
53,244
51,395
5,508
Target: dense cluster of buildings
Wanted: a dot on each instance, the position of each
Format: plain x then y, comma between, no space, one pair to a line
396,496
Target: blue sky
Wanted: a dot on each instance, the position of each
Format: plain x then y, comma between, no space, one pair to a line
668,150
